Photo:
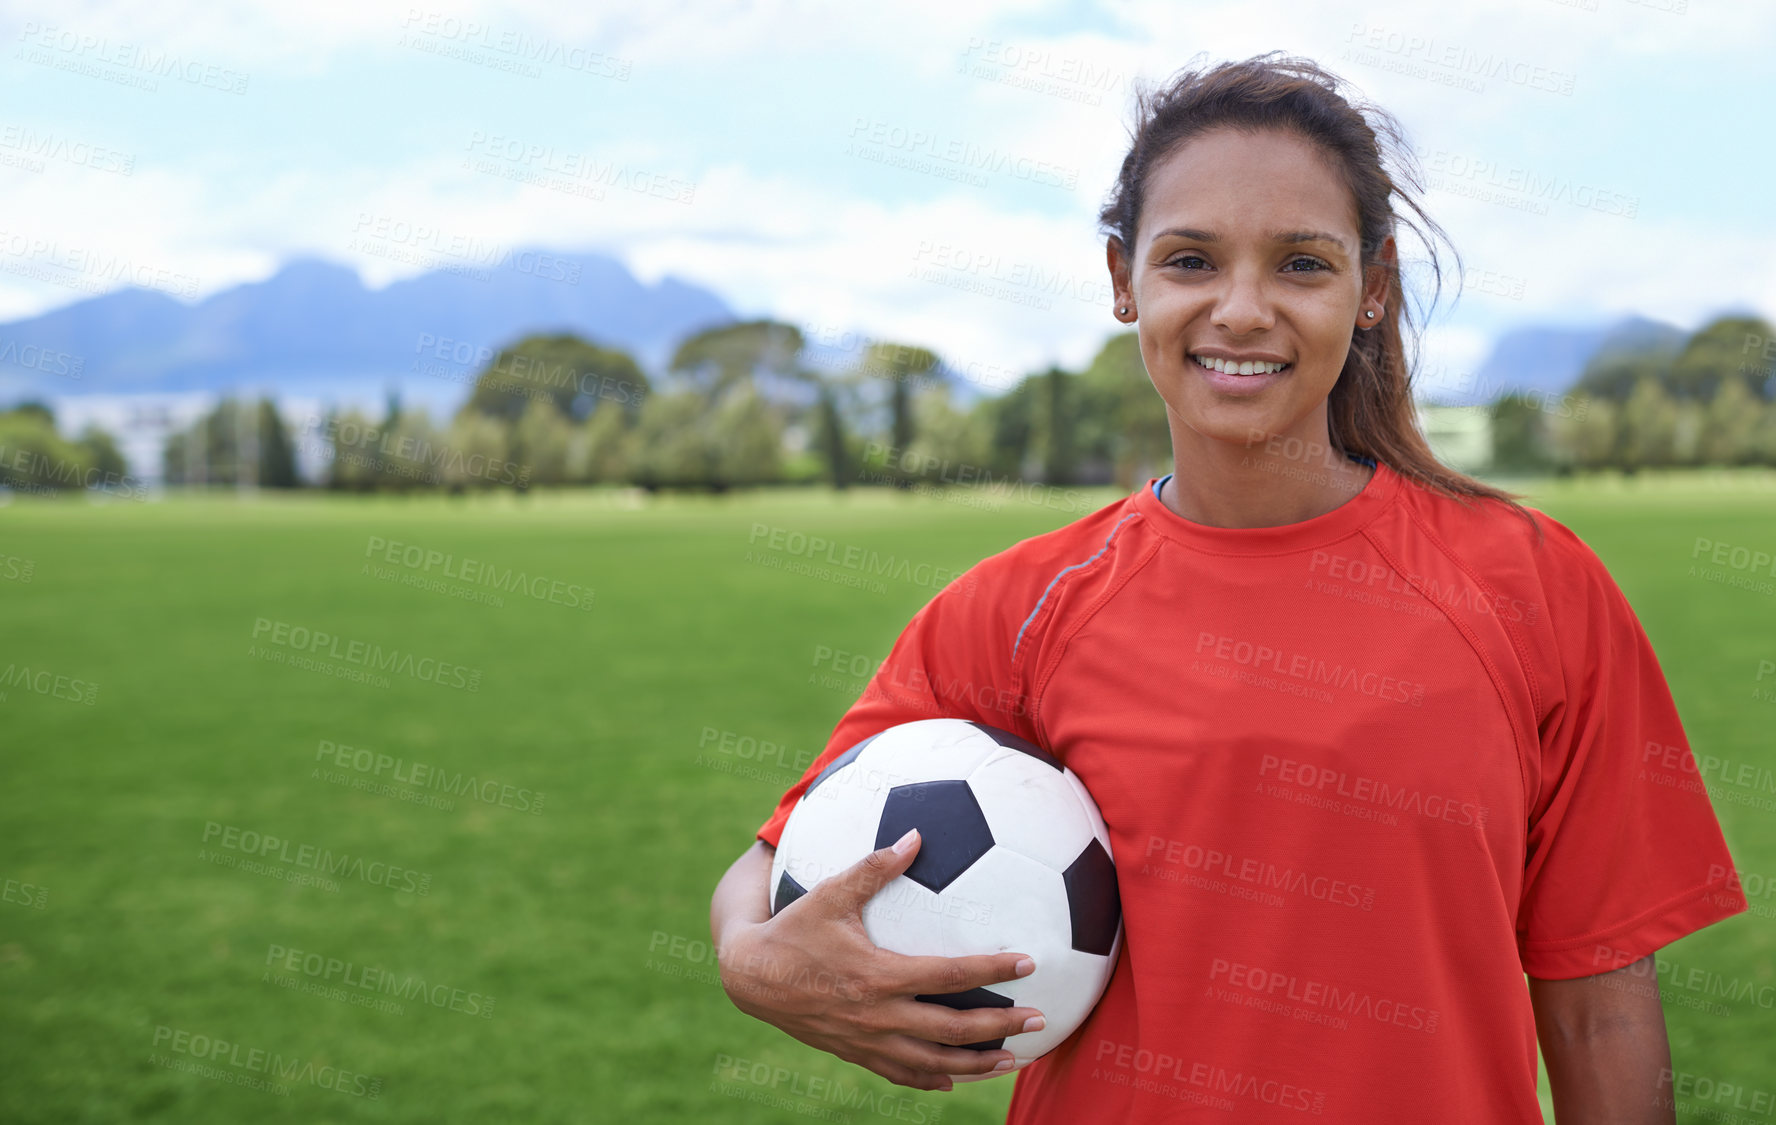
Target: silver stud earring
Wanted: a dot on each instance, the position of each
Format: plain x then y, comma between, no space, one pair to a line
1123,311
1370,314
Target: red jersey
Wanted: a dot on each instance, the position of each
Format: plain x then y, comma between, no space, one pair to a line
1361,774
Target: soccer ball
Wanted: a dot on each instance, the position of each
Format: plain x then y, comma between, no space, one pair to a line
1013,856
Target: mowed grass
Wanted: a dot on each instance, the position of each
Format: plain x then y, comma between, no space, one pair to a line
585,922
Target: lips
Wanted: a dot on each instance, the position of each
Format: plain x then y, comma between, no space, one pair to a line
1232,383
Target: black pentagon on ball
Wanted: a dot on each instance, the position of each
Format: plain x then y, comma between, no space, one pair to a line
788,890
839,763
1092,900
1023,745
967,1001
953,831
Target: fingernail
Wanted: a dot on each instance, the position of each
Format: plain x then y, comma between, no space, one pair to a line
1035,1023
1024,967
1004,1064
901,845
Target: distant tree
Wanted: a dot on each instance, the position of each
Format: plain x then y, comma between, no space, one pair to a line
1122,416
1730,425
33,456
541,441
598,448
277,456
671,449
1716,356
578,377
830,435
1585,438
745,440
1060,419
102,454
1520,438
1649,425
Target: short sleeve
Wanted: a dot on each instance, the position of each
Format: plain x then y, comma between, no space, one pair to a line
1625,853
953,660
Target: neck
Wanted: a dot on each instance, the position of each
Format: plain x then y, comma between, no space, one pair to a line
1268,483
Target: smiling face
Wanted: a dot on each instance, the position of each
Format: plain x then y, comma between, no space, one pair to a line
1248,254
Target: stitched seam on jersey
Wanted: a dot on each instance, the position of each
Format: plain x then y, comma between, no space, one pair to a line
1517,644
1651,914
1486,661
1047,673
1518,647
1062,573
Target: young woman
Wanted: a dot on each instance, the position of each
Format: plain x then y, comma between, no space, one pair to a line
1372,741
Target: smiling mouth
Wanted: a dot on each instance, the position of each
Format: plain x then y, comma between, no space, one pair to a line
1244,367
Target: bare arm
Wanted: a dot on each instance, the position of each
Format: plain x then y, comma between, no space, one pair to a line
813,972
1603,1037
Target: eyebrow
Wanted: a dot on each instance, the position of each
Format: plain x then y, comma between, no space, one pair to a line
1290,236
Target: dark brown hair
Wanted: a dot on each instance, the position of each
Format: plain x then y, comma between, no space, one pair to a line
1369,410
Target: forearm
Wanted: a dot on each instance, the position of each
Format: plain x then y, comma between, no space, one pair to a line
1603,1038
744,893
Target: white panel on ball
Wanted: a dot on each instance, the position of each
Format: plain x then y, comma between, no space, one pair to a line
1027,811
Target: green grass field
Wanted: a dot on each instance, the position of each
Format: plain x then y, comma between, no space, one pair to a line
126,934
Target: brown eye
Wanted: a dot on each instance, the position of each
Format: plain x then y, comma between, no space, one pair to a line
1179,261
1314,262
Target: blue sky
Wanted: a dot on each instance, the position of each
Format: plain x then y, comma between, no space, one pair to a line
760,149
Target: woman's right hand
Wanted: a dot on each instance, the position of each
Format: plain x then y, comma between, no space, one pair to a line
813,972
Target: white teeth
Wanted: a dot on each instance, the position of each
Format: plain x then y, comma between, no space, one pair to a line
1248,367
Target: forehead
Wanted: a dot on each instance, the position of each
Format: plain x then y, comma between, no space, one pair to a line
1242,184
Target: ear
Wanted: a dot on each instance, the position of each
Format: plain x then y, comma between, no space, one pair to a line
1121,272
1375,283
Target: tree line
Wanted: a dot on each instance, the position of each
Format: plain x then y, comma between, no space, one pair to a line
751,403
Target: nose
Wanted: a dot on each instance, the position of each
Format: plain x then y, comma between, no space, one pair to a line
1242,305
